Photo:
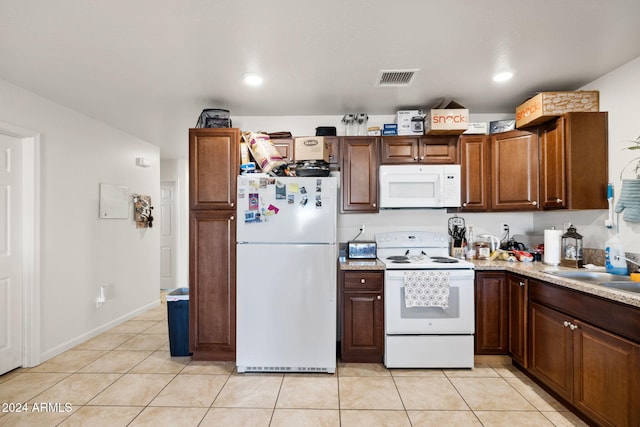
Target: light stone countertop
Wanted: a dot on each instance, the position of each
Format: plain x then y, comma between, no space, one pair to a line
535,270
361,264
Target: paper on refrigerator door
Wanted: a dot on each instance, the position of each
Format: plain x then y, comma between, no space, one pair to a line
286,209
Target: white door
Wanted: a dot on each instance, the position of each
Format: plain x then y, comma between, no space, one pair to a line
10,253
168,239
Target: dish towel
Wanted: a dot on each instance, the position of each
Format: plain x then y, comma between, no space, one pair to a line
426,289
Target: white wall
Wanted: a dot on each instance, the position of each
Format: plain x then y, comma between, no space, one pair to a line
79,251
619,95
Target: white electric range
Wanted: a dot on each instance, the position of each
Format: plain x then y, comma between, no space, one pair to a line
432,335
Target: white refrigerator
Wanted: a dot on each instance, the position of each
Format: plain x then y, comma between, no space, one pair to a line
286,274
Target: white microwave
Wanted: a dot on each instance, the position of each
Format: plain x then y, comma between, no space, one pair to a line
419,186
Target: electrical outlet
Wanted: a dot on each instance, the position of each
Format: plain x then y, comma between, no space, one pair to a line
102,297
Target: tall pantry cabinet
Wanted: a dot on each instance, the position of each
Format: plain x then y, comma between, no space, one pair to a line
214,162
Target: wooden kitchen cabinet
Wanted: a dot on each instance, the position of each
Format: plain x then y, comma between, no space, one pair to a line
491,306
285,148
587,351
212,285
359,174
517,287
419,149
551,357
570,146
476,172
362,316
514,171
214,162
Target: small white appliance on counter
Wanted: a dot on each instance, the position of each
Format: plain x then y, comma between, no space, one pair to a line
420,186
428,302
286,274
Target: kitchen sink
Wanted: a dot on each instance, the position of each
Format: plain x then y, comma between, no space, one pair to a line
590,276
623,286
615,281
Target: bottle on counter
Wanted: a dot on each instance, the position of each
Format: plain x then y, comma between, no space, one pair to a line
470,251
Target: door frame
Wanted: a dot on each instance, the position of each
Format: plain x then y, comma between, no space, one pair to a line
30,241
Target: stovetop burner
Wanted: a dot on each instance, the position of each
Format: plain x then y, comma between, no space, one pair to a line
398,258
444,260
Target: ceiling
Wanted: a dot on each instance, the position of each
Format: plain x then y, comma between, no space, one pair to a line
149,67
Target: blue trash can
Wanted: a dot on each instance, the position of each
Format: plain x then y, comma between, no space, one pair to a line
178,317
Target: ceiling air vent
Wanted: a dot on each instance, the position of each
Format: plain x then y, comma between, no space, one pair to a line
396,78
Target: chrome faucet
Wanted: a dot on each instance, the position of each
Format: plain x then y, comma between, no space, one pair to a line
618,257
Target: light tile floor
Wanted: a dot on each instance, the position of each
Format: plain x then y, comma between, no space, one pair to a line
126,377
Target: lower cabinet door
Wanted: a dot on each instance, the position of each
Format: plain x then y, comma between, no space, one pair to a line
212,283
363,328
551,352
607,376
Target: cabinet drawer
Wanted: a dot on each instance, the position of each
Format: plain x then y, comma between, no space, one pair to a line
362,280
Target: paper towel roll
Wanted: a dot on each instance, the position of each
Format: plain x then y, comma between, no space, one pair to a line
552,246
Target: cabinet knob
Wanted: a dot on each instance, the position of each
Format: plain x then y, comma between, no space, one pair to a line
534,203
374,205
566,324
415,158
362,281
232,204
521,284
232,217
573,327
379,297
421,157
464,204
558,200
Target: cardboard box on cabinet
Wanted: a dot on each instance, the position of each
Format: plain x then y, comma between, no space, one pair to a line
410,122
311,148
450,119
478,128
547,105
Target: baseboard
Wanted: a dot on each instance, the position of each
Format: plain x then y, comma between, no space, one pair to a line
95,332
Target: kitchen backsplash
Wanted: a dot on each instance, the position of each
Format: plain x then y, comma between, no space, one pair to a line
597,257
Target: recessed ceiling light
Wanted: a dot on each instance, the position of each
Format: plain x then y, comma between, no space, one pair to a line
252,79
503,77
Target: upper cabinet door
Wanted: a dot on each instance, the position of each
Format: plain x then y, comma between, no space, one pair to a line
399,149
214,162
359,174
440,149
514,162
476,172
552,165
